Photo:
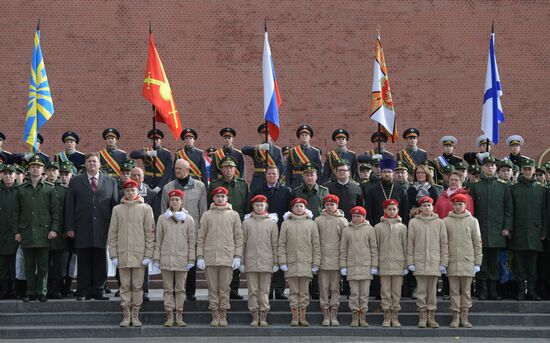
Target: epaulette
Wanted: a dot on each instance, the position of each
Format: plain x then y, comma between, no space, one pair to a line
421,150
46,155
353,152
7,152
49,183
237,150
79,152
320,186
22,184
240,179
62,185
164,149
122,151
502,181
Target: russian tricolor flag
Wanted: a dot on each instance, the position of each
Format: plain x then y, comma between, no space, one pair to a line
272,98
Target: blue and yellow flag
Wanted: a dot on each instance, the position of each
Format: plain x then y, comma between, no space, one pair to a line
40,104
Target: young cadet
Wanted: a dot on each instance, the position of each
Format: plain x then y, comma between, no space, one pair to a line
464,239
427,258
331,223
260,234
359,262
391,237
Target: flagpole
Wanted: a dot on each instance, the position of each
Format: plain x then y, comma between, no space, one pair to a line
154,162
266,125
492,32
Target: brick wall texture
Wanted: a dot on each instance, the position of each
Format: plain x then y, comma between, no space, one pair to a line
436,52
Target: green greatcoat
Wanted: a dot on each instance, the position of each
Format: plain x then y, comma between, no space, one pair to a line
60,243
37,213
494,210
238,194
530,208
8,196
314,197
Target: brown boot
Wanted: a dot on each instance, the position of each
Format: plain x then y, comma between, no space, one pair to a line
334,316
456,319
215,318
395,319
387,319
464,318
135,317
126,320
303,321
326,317
254,321
179,319
294,311
169,318
354,318
431,320
223,318
423,318
263,318
363,318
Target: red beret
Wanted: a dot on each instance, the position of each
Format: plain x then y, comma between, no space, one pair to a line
176,193
425,199
459,198
220,190
298,201
130,184
358,210
389,202
258,198
331,198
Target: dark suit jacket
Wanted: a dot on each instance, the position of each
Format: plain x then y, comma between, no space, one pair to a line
88,214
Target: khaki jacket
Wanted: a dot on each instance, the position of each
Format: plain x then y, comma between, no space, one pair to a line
175,242
391,236
131,233
299,246
260,243
464,239
220,236
359,251
330,228
194,199
427,246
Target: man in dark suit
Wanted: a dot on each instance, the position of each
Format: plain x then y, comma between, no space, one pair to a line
90,200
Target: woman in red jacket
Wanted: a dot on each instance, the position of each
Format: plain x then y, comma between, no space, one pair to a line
444,204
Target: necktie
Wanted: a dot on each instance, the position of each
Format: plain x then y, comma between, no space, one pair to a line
94,184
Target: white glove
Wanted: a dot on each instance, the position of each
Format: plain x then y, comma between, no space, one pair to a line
284,268
412,268
200,264
314,269
151,153
275,268
146,261
190,265
405,272
241,268
482,155
343,271
27,155
236,263
442,270
181,216
476,269
379,156
264,146
168,214
156,265
114,261
374,271
157,189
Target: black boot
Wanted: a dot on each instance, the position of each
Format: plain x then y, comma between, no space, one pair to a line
20,288
3,289
11,290
521,291
280,294
532,291
234,294
481,287
493,293
543,289
55,293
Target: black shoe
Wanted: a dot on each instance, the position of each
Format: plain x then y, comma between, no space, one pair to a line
145,296
191,297
235,295
520,296
42,298
80,298
271,294
26,299
107,290
493,294
481,286
532,292
117,294
101,297
280,295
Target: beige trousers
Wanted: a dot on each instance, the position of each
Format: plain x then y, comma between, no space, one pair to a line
460,292
131,283
359,295
390,292
298,287
218,279
173,283
329,283
258,291
426,291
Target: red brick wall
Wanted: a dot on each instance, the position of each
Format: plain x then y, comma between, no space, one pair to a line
436,52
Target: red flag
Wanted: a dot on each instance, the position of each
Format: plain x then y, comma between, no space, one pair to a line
156,89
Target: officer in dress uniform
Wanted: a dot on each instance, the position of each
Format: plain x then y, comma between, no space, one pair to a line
260,160
22,159
197,165
515,142
302,154
381,153
484,151
111,158
228,149
412,156
446,158
5,156
157,162
70,154
341,137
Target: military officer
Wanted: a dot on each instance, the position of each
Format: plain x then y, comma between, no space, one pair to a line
263,155
494,210
540,174
125,170
364,172
157,161
302,154
474,172
23,159
505,171
197,165
38,222
341,138
461,167
71,140
5,156
484,144
412,155
111,158
401,175
228,134
8,245
20,174
446,158
381,153
515,143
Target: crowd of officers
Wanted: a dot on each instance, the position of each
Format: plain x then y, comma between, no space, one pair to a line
324,238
